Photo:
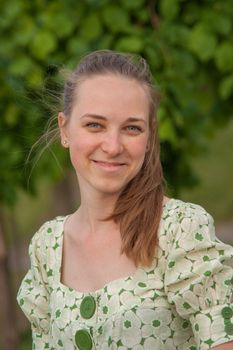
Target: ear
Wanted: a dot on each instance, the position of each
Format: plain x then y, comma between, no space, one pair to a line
62,120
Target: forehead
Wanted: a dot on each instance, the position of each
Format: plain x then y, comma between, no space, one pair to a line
111,93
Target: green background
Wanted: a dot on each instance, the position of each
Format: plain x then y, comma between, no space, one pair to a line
189,47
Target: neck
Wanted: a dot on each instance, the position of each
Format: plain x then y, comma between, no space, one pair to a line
93,209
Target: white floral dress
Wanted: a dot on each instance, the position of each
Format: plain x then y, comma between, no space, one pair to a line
182,302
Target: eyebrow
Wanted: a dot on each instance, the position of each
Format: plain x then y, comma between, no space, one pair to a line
100,117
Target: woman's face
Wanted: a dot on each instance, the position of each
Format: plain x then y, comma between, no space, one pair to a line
107,132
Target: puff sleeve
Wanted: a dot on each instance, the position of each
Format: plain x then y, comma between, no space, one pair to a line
198,278
33,294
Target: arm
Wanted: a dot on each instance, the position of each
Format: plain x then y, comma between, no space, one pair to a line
198,279
33,296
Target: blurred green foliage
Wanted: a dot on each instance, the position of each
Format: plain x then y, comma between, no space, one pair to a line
216,172
188,44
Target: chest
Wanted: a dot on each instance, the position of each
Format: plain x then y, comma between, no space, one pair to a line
90,264
125,311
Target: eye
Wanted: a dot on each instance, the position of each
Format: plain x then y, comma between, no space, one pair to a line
134,129
93,125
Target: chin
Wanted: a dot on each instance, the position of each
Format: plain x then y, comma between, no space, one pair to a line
110,188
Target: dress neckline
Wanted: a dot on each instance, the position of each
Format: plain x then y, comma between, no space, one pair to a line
113,284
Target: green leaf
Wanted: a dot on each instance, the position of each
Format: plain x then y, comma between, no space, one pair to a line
175,34
62,24
191,12
61,18
217,21
154,56
184,59
169,9
11,115
224,57
132,4
91,27
167,131
130,44
226,87
106,41
9,12
96,3
115,18
21,66
24,31
35,78
77,47
7,48
43,44
202,42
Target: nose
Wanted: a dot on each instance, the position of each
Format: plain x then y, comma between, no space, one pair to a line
112,143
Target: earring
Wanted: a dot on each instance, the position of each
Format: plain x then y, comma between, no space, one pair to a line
65,142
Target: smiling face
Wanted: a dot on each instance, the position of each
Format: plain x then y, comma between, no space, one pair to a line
107,132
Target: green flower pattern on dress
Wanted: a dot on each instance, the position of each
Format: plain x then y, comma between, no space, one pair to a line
181,302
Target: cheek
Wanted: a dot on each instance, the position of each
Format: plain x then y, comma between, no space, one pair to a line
80,147
138,147
78,140
138,151
77,148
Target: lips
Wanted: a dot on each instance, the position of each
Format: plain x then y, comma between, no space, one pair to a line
109,165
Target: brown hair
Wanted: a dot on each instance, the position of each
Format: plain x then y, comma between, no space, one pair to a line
139,207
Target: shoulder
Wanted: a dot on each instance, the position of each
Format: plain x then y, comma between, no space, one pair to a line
184,219
47,233
177,210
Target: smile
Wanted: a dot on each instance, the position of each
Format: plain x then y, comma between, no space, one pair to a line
109,165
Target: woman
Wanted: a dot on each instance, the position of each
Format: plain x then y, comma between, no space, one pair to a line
131,268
